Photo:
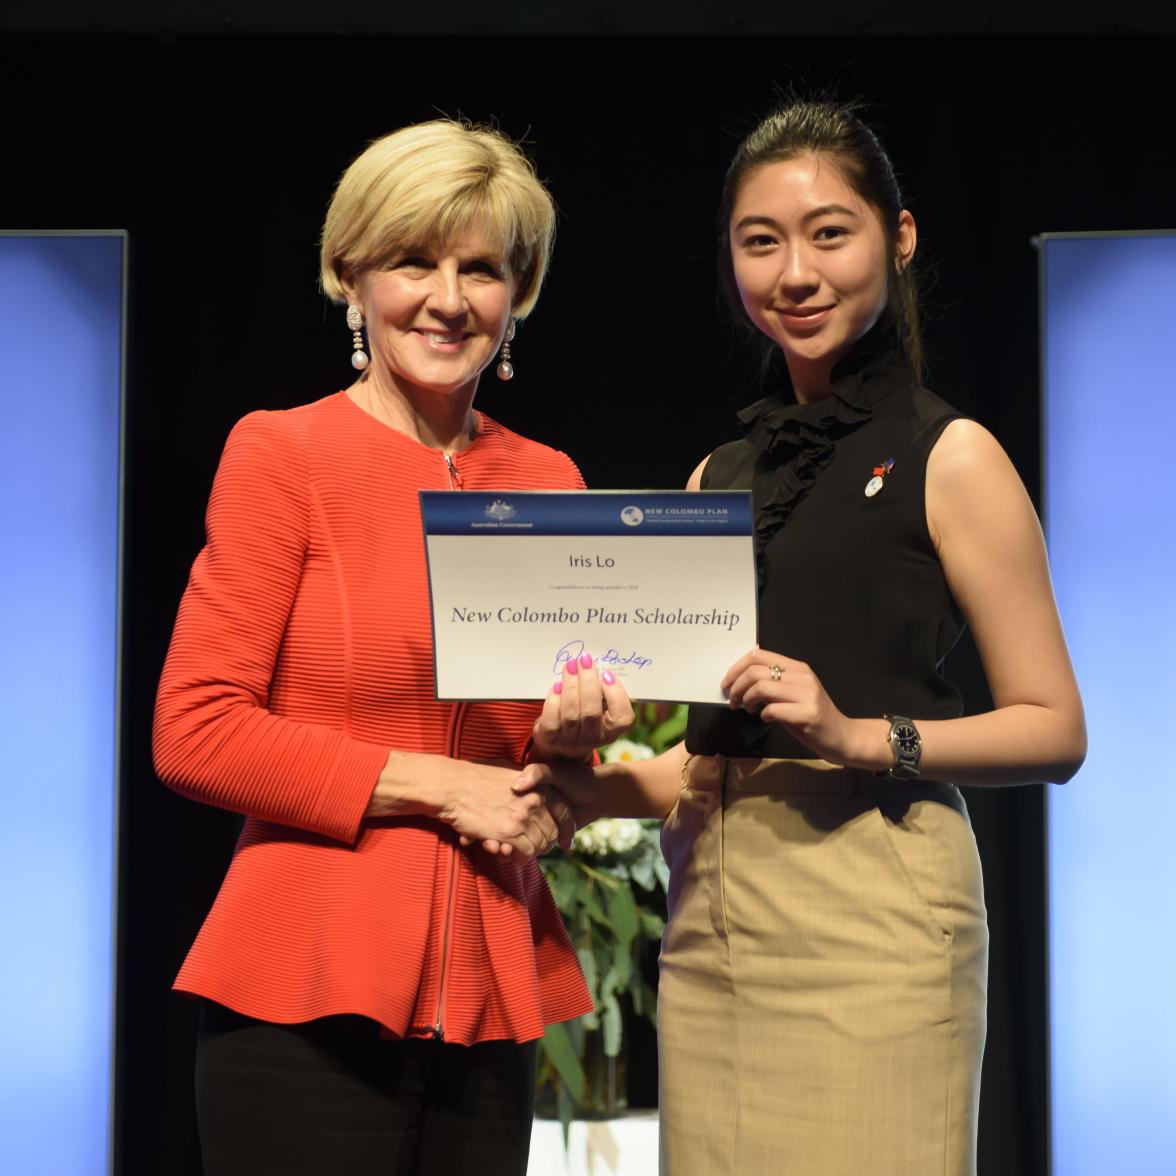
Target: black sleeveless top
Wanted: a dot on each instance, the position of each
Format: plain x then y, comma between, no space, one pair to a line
849,582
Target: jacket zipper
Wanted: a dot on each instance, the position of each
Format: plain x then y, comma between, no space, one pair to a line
455,723
454,744
453,471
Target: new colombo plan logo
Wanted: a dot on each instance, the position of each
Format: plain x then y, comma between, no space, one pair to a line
632,516
500,511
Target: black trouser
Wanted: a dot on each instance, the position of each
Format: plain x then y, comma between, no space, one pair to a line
333,1098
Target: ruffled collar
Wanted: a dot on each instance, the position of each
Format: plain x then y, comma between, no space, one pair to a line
859,383
797,442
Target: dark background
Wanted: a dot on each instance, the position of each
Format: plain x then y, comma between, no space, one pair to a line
218,153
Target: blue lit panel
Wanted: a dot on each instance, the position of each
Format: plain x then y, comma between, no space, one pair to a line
1110,449
61,308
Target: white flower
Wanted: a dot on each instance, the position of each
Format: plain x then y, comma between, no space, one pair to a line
625,751
609,835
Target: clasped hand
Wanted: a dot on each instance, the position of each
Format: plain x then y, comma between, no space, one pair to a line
584,710
505,821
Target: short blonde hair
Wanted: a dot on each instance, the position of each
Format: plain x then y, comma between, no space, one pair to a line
428,183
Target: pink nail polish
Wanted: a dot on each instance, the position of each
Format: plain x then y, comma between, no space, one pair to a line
557,688
572,667
608,678
585,660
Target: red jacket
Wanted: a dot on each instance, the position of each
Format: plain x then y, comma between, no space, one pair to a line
302,653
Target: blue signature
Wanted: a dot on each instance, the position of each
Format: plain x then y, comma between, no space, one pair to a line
610,657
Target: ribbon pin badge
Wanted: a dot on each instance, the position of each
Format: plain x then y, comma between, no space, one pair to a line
879,479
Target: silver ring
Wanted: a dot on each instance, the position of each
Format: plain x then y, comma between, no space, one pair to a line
776,671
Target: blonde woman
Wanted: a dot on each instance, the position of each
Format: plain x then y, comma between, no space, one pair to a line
384,951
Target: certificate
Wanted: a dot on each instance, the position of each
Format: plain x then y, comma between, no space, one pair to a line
658,587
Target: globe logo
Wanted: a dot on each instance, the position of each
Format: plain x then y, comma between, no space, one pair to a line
632,516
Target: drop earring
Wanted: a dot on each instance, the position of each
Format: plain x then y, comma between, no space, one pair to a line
505,367
359,359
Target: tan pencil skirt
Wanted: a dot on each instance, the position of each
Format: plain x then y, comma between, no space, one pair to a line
823,975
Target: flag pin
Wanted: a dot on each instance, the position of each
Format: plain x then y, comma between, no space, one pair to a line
879,479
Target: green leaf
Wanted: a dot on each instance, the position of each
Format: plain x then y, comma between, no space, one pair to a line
566,1105
652,925
562,877
587,958
650,1002
616,979
588,966
641,871
593,909
611,1024
622,913
670,731
559,1051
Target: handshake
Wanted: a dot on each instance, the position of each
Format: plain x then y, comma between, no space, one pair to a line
557,792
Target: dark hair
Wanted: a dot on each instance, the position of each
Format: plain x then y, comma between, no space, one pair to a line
822,127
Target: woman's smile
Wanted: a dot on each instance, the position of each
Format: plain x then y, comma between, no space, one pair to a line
804,317
443,341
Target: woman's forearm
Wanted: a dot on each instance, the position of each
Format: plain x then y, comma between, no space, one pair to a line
1022,743
407,785
478,800
419,784
641,788
635,788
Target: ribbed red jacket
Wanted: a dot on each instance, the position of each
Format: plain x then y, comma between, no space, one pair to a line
302,653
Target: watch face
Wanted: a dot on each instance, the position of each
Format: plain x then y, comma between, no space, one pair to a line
906,739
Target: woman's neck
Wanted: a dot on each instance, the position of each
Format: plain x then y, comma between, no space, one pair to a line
438,420
810,382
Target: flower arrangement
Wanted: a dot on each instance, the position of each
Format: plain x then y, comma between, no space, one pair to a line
610,888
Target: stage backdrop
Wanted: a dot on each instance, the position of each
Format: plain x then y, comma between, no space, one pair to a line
61,345
1109,311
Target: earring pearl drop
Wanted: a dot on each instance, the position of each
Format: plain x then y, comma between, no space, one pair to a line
505,368
359,359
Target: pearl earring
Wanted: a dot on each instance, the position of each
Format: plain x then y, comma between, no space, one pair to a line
359,359
505,367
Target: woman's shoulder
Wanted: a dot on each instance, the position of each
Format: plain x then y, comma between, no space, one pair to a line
959,442
287,432
277,443
915,402
279,423
544,462
913,419
931,404
966,452
728,466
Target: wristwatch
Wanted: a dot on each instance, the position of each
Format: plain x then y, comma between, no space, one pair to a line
907,745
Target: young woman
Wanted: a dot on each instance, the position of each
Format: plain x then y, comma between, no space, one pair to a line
823,974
